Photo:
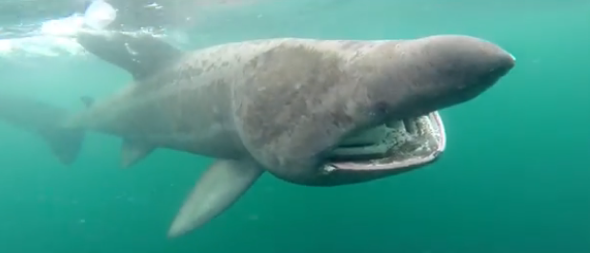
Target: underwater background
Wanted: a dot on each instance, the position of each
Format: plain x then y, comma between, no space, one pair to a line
515,177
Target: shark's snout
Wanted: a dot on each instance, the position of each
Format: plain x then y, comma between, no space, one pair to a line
513,58
505,62
446,70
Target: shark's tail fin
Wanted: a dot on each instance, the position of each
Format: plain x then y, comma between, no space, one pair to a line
45,120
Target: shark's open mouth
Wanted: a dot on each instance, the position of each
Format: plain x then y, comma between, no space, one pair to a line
396,145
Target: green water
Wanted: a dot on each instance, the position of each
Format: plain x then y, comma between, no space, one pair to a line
515,177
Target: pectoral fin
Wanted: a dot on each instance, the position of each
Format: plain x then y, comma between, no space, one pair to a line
217,189
133,151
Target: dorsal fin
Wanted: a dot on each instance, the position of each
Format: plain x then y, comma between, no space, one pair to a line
140,55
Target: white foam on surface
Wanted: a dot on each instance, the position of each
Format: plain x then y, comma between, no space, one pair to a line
99,14
55,38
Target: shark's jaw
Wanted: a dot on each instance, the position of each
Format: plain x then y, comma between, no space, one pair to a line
395,146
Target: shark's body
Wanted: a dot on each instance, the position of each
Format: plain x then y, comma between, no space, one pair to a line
286,106
194,103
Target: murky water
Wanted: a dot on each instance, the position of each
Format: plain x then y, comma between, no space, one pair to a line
515,176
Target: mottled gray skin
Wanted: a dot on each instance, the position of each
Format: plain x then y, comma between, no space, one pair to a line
348,86
287,102
278,105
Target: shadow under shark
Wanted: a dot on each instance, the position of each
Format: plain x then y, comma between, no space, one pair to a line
310,112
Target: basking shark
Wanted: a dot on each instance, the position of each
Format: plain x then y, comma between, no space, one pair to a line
310,112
